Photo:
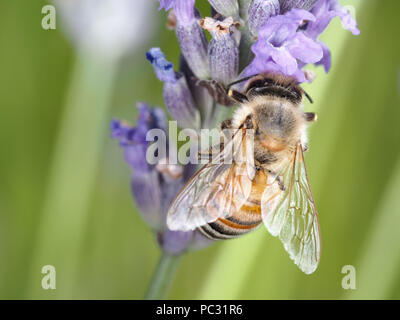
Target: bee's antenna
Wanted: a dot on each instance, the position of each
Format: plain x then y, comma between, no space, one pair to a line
240,80
307,96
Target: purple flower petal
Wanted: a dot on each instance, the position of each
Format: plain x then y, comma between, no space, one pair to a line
184,11
287,5
282,47
191,38
282,57
180,104
326,60
305,49
175,242
349,22
119,130
193,43
297,16
166,4
199,241
146,190
261,66
162,67
177,96
133,139
325,11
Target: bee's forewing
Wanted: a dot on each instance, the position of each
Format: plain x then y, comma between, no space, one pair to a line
182,214
291,215
217,190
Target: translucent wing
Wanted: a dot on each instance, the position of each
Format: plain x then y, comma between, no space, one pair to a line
218,189
288,211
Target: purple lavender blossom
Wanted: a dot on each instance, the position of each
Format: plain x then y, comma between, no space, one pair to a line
281,44
166,4
325,11
154,186
289,42
177,96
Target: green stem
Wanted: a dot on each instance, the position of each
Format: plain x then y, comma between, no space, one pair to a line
163,276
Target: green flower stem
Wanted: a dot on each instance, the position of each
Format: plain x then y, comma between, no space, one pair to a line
163,276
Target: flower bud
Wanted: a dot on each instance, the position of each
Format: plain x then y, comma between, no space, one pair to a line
287,5
176,242
223,51
191,38
146,190
259,13
177,96
201,97
227,8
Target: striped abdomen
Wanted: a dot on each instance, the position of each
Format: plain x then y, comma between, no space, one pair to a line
243,220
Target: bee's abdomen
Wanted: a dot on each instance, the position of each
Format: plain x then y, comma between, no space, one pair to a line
227,228
247,219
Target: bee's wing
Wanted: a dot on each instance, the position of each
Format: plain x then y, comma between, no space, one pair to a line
291,214
217,190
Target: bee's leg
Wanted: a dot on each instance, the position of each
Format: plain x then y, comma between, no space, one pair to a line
310,116
248,123
237,96
216,90
280,182
226,128
258,165
226,124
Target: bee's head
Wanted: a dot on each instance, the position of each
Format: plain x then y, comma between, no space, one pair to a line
274,85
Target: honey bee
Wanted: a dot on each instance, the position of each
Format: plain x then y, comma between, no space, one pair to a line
226,200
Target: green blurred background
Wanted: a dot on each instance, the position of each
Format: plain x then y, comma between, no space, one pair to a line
64,187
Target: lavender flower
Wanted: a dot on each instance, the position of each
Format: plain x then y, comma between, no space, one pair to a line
325,11
280,46
154,186
289,42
